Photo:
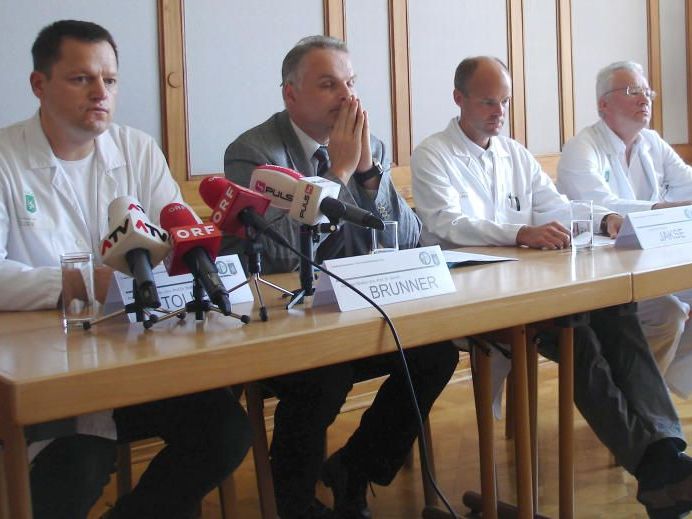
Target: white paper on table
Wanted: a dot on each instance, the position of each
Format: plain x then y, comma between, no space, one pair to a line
601,240
457,258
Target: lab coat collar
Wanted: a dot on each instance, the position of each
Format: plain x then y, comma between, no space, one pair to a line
463,146
41,155
615,145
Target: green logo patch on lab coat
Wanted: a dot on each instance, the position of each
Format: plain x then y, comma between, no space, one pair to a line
30,202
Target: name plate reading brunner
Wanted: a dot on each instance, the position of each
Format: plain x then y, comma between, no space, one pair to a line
390,277
656,228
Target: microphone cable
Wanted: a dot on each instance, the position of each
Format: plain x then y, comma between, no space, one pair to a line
412,392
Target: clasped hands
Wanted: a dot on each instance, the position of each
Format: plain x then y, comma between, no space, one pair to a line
349,142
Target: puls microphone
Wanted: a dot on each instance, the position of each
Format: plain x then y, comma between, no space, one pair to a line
308,200
133,246
234,207
194,247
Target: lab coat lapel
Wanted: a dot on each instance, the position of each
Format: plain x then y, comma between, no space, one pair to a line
108,159
649,170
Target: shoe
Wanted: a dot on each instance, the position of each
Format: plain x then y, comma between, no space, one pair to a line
316,510
348,488
667,491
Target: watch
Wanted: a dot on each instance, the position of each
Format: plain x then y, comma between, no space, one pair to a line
604,224
375,171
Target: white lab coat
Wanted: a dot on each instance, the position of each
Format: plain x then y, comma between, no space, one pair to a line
590,169
457,210
39,219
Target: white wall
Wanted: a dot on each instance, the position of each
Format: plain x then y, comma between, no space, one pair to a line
442,33
603,32
542,88
134,28
367,36
234,50
673,71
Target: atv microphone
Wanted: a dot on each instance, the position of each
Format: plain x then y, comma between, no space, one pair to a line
134,246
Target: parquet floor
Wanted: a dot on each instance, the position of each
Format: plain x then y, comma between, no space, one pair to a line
602,490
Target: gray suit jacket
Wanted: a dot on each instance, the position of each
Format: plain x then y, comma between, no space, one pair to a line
275,142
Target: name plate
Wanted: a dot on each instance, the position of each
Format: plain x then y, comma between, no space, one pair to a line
656,228
390,277
175,291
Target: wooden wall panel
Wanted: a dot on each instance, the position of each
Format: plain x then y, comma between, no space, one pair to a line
173,82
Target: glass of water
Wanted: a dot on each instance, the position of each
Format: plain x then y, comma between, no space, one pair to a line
77,289
386,240
581,225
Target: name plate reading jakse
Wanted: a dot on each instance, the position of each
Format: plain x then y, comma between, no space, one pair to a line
386,278
175,291
656,228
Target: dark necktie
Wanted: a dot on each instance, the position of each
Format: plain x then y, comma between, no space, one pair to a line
322,157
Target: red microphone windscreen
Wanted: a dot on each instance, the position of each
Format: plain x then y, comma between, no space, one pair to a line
211,189
186,233
227,199
176,215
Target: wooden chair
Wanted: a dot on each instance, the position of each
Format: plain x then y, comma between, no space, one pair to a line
4,511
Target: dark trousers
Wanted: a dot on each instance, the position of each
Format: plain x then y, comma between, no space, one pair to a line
618,387
310,401
207,435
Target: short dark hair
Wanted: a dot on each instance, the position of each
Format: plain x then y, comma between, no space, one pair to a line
46,49
467,67
298,52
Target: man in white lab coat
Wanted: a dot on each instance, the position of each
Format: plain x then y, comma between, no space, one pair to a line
620,164
475,187
59,171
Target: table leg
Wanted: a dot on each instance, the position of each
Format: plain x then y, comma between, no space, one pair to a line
566,414
17,469
532,368
522,435
482,382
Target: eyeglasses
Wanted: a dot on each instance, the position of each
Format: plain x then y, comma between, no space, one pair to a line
633,91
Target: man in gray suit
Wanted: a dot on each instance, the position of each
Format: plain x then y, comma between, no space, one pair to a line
324,131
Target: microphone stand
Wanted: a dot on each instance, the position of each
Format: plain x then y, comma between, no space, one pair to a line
143,314
253,251
309,236
201,306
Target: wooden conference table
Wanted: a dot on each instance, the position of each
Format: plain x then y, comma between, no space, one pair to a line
46,374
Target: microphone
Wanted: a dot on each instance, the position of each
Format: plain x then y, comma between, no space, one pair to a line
233,206
309,200
194,247
133,246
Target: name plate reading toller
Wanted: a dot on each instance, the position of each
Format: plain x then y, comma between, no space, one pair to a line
656,228
175,291
386,278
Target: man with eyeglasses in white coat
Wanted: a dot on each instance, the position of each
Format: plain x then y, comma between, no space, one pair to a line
473,186
621,164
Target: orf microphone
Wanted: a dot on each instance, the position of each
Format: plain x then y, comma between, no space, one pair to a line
194,247
133,246
234,207
231,203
